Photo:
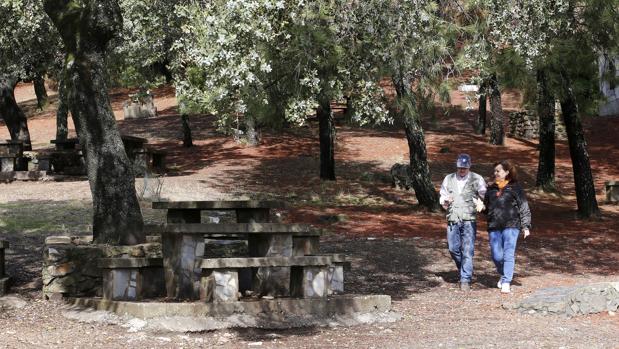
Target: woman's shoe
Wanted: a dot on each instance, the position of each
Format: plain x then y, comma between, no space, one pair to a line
505,288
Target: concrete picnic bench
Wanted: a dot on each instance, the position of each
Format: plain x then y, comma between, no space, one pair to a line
612,191
4,279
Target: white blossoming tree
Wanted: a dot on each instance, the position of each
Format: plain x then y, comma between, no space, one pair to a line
274,60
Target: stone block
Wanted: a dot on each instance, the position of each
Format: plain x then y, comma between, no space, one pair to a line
309,282
182,255
221,285
335,278
121,284
7,164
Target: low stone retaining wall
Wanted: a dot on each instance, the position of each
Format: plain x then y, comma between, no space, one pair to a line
70,264
573,300
525,125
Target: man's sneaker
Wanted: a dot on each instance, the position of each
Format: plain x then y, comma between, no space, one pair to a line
499,284
505,288
465,286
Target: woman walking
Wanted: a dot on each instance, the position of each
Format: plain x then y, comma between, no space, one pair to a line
508,213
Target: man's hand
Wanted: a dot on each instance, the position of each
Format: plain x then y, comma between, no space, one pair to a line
526,233
447,202
479,204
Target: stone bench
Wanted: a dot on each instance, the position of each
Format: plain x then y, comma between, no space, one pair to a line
15,148
184,246
148,160
612,191
309,276
4,279
132,279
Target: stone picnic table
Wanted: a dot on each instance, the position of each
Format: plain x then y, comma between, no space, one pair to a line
184,247
247,211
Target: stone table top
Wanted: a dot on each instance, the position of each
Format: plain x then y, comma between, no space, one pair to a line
218,205
234,228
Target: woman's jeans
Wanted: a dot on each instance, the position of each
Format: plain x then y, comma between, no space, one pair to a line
503,249
461,242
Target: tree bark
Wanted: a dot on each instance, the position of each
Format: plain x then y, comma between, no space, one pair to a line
40,91
481,114
546,114
187,138
497,122
583,178
251,134
86,29
422,184
326,130
62,114
14,118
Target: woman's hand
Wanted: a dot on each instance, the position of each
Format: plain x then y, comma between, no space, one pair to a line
526,233
479,204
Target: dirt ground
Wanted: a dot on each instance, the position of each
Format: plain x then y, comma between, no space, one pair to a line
397,248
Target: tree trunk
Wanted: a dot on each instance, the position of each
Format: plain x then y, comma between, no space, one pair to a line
422,184
251,133
11,113
497,123
187,138
62,114
86,31
583,179
326,131
481,114
546,114
40,91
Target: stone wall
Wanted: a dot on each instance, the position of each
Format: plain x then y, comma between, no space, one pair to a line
70,264
525,125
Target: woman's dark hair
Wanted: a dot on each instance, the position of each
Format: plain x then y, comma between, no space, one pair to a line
512,176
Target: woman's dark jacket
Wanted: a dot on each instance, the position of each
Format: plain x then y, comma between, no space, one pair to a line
507,208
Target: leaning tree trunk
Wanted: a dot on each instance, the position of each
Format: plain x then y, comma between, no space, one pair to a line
546,114
62,114
326,130
86,31
421,180
583,179
497,123
481,114
40,91
11,113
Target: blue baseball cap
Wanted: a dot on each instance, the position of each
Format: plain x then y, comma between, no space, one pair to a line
464,161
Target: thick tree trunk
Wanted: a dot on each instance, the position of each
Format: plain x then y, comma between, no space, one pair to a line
422,184
62,114
187,138
86,31
11,113
40,91
326,130
497,123
546,114
583,178
481,113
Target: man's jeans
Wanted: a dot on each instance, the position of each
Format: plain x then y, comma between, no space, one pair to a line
461,241
503,249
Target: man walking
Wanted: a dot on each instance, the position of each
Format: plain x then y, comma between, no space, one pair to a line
460,196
